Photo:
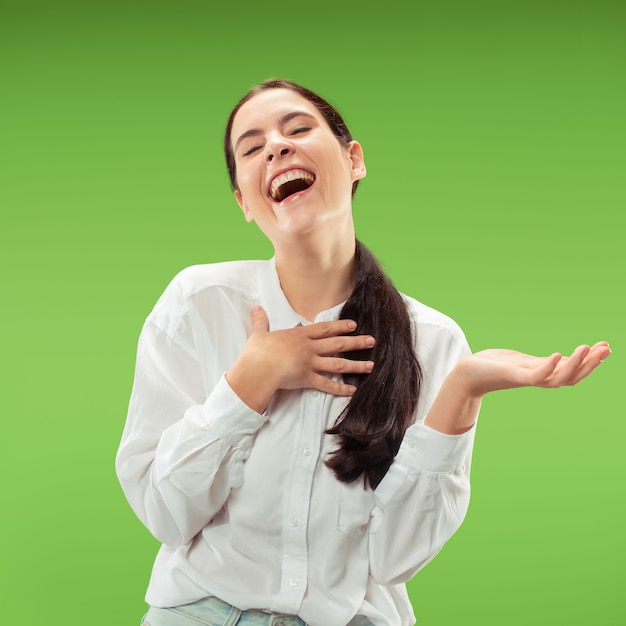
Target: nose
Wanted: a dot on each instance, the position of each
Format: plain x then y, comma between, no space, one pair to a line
277,148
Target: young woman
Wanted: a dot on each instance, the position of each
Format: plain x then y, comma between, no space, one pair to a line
299,434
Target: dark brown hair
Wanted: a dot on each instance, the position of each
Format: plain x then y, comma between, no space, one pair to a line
371,427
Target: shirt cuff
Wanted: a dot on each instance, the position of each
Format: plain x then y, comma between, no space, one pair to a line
229,417
432,451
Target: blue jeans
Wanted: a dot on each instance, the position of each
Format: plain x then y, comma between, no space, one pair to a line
214,612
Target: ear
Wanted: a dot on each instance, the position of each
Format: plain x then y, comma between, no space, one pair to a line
242,205
355,153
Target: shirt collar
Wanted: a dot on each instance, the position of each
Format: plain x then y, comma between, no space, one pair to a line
273,299
276,305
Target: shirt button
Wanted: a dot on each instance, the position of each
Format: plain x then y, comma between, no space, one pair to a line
307,452
315,393
294,582
294,522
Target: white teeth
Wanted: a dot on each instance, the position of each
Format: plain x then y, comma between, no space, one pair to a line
288,176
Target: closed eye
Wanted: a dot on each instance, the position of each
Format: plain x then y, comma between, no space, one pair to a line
300,129
251,150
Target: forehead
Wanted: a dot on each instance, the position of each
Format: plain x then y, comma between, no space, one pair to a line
267,107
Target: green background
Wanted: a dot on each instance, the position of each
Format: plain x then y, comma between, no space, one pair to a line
494,134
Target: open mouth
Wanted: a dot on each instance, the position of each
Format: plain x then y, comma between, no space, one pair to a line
288,183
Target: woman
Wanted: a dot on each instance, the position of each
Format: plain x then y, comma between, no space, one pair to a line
299,433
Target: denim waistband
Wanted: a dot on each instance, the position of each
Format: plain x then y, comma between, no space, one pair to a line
215,612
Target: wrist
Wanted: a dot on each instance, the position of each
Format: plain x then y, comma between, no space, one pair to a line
456,406
462,379
252,384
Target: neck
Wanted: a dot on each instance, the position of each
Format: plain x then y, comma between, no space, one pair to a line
315,280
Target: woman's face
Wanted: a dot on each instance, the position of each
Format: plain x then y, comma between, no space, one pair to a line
294,177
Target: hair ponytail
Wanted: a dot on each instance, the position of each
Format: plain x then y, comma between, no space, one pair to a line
372,426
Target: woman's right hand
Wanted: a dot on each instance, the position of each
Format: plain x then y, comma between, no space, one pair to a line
296,358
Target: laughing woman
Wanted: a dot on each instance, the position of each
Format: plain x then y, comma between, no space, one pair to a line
299,434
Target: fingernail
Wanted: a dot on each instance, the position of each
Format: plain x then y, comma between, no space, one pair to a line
370,341
351,325
369,365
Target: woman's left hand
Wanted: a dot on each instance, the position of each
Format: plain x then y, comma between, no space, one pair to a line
456,406
491,370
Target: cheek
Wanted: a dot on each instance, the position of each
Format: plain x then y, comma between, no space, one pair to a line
342,181
248,181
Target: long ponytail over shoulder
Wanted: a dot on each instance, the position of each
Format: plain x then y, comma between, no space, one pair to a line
372,426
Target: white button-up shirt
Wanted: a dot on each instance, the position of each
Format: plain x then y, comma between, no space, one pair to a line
242,502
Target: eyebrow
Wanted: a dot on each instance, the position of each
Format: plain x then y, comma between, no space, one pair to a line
254,132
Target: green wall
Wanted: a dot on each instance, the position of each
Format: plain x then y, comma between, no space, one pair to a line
494,135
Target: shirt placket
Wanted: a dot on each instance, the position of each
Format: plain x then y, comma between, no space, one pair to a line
295,556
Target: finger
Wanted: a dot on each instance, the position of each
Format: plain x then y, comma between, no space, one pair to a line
328,385
602,349
567,367
259,319
542,372
320,330
337,365
344,343
598,353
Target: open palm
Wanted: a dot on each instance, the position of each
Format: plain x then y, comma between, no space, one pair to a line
490,370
